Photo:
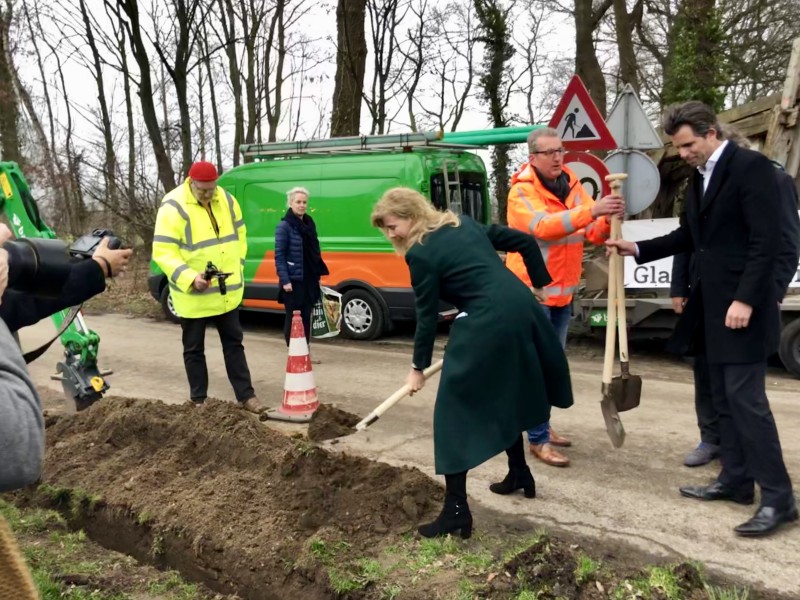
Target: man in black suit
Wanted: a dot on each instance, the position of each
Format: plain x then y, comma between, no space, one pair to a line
730,222
683,278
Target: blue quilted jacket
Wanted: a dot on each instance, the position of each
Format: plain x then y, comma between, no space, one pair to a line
289,251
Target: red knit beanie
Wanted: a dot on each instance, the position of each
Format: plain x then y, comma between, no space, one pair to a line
203,171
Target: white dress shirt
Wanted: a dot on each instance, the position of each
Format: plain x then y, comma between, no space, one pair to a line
707,169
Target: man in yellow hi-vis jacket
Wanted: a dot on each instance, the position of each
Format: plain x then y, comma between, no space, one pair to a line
200,223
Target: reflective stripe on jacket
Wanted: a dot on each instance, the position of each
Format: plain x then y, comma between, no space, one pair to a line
185,241
560,228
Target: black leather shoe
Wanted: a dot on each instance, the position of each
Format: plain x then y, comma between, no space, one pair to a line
717,491
766,520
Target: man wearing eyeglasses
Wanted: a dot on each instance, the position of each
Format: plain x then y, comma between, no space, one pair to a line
548,201
200,223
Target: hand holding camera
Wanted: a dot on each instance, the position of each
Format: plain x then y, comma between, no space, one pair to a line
40,266
113,261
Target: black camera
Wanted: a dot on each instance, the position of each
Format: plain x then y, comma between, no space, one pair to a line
40,266
211,272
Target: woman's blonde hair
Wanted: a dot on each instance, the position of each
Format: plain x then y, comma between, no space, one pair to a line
293,192
405,203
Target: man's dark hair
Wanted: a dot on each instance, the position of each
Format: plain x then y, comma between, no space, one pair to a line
700,117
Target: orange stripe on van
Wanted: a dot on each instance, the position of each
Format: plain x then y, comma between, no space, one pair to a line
379,269
264,304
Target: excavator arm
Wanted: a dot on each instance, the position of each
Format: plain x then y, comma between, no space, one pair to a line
80,377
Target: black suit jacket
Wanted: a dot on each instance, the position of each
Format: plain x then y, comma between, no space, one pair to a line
734,231
684,273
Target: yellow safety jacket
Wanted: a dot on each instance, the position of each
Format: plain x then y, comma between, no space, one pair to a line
186,239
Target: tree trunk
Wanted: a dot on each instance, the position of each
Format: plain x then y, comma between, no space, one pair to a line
166,174
130,197
9,102
587,66
277,34
694,69
496,37
213,98
628,65
110,159
351,60
228,26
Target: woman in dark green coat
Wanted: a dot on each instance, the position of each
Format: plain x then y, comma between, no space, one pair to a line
504,366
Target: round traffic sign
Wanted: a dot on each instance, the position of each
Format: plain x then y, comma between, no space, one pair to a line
641,187
591,171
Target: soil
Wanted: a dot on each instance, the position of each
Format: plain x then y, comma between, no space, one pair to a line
244,509
329,422
245,498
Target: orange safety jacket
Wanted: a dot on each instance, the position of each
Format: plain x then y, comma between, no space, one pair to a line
560,228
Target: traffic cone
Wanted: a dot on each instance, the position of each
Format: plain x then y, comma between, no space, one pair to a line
299,392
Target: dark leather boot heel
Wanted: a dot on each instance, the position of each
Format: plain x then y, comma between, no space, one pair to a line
517,479
453,518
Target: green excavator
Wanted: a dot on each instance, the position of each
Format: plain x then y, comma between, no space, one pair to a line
80,377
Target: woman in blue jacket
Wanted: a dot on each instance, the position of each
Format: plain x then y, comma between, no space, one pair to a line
298,261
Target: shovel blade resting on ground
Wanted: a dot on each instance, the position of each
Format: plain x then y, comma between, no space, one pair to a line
626,390
614,428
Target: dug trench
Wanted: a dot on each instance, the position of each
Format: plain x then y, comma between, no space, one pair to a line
213,493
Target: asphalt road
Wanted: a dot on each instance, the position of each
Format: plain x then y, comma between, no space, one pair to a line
628,495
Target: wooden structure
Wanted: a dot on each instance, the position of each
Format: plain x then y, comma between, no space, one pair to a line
771,124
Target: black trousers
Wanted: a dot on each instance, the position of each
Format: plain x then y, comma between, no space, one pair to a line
707,419
194,357
302,297
750,448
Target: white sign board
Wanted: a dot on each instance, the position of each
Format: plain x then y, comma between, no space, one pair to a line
656,274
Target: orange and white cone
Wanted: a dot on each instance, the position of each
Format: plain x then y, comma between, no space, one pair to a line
299,391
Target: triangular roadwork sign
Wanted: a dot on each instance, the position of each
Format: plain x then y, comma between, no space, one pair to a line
578,122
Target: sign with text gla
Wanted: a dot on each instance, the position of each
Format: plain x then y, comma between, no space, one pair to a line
656,274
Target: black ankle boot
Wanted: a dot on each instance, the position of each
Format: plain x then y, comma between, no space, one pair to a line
517,479
455,516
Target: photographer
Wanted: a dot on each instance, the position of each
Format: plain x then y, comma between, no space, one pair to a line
21,422
86,279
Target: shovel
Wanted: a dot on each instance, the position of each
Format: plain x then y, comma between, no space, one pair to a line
608,406
395,398
625,389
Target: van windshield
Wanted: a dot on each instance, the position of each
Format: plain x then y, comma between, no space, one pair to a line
472,195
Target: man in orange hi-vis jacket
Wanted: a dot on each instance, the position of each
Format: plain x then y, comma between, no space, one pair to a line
548,201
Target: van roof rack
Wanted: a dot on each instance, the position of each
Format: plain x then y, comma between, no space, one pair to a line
360,143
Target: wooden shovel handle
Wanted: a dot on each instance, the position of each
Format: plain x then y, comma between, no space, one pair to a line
395,398
611,314
616,233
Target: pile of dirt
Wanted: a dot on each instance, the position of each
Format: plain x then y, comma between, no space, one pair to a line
246,499
329,422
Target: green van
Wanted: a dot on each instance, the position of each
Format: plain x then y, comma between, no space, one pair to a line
346,177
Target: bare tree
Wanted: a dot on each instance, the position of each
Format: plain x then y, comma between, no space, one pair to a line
384,17
181,21
351,57
496,85
9,100
415,55
127,11
451,63
587,66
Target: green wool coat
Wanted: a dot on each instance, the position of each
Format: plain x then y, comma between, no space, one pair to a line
504,366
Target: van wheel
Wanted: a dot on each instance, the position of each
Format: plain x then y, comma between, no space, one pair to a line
167,306
362,315
789,349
